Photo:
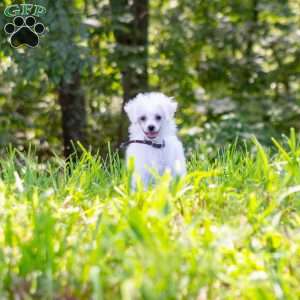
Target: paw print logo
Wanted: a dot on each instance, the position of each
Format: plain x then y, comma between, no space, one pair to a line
24,31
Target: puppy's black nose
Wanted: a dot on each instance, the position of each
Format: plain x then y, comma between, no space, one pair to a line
151,128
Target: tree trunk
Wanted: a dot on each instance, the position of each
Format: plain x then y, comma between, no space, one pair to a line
130,24
253,23
73,110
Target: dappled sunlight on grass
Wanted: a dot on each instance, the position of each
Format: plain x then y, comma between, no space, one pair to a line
229,230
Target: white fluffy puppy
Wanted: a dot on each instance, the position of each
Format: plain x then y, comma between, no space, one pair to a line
153,143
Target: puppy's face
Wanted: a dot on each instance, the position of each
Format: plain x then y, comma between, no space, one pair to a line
150,112
151,121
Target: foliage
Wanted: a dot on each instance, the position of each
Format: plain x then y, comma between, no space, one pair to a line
244,51
229,230
199,52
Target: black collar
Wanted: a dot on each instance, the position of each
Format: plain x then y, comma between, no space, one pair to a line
146,142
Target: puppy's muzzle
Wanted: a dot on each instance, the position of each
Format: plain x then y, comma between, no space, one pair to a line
151,128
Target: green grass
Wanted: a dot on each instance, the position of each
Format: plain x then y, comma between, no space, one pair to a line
229,230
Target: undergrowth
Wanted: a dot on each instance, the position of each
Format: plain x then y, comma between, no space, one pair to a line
229,230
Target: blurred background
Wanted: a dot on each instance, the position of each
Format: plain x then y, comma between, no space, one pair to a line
232,65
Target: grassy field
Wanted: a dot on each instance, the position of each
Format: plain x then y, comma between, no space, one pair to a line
229,230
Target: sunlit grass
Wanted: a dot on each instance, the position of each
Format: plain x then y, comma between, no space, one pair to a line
229,230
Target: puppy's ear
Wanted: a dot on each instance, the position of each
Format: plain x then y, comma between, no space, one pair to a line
130,110
171,107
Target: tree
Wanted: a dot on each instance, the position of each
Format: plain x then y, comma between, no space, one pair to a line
71,60
73,110
130,21
61,60
244,52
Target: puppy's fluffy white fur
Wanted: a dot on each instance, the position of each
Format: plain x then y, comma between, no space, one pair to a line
152,118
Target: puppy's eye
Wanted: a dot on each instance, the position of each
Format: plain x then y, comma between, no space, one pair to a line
157,117
143,118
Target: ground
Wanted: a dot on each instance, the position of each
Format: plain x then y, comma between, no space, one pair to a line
229,230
